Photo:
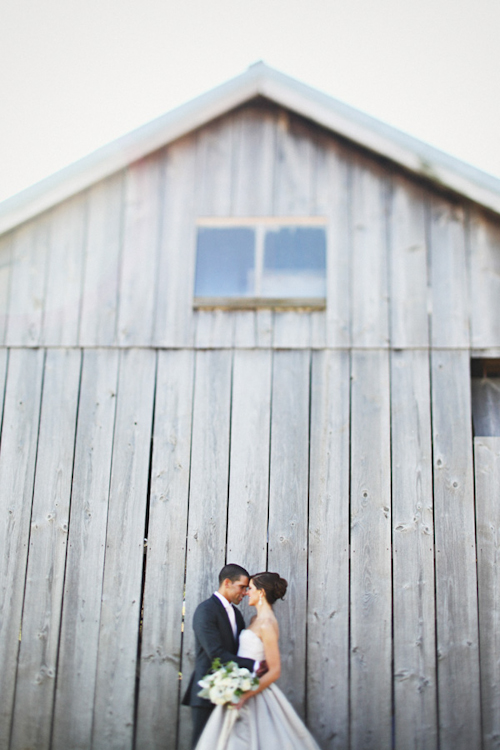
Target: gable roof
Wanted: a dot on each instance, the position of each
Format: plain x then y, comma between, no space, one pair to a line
258,80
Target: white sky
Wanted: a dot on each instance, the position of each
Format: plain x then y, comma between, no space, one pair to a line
75,74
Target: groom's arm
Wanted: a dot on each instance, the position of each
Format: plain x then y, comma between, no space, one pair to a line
206,627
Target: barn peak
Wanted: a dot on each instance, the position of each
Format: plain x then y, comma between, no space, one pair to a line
259,80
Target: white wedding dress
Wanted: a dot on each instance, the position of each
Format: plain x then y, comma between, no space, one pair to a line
265,722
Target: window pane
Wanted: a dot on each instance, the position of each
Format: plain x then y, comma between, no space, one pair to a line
486,406
294,262
225,262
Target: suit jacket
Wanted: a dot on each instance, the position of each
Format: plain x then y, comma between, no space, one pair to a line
214,637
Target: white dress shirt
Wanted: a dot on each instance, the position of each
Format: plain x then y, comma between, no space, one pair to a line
232,619
230,612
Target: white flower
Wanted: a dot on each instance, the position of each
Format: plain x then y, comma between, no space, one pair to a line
227,683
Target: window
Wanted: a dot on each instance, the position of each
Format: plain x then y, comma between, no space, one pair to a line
485,386
261,262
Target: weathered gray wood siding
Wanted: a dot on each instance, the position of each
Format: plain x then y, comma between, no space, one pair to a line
333,446
405,266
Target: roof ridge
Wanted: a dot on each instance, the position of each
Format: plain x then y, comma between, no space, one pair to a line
258,80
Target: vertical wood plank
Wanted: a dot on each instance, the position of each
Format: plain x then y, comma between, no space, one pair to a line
408,266
255,151
4,356
166,553
249,461
456,581
415,691
264,328
64,272
17,470
291,329
328,575
244,329
484,281
5,271
207,497
77,663
288,511
332,190
252,193
369,284
293,189
214,168
215,154
371,605
174,325
318,329
27,283
293,196
487,475
214,329
32,718
121,592
450,298
102,256
138,273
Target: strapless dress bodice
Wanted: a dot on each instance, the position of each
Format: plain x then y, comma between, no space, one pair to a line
251,647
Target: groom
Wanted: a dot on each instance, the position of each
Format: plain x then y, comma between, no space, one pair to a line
217,625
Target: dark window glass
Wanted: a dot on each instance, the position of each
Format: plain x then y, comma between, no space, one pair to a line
485,384
294,262
225,262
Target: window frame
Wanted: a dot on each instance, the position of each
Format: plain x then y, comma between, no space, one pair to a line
260,224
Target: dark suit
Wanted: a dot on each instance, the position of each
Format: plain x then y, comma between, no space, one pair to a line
214,638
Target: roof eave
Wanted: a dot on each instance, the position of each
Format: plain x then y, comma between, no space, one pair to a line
258,80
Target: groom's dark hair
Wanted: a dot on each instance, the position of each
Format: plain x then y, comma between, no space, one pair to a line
233,572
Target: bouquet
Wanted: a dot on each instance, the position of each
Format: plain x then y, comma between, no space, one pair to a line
225,683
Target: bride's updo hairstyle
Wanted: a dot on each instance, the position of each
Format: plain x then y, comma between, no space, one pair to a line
273,586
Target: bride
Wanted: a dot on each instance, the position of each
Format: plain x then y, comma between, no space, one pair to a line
264,719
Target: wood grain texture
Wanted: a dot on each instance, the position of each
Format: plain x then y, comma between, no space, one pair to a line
166,553
450,294
64,272
369,277
102,261
484,281
264,328
37,666
294,171
252,192
487,476
17,472
139,257
328,573
214,167
456,580
207,498
27,283
174,324
371,585
121,592
5,271
214,329
288,491
249,459
415,690
291,330
4,357
254,164
77,664
409,323
332,196
293,196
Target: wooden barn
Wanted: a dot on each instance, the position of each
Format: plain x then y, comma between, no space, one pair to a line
263,329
